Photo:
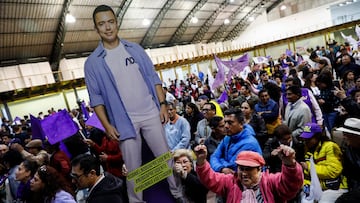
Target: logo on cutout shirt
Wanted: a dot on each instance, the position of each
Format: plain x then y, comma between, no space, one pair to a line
129,60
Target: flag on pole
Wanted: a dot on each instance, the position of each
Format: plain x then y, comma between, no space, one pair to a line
95,122
36,129
220,75
210,78
84,111
59,127
261,59
237,65
17,121
223,97
234,66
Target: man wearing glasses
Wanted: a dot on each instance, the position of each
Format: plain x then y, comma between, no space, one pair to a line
103,187
203,129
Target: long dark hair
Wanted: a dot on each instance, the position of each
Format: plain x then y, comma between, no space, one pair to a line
194,108
251,104
31,166
308,80
53,181
346,74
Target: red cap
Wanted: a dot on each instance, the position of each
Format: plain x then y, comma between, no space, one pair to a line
250,158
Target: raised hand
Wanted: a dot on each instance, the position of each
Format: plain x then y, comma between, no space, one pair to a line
201,154
286,154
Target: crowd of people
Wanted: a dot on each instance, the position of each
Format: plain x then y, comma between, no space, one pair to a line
266,137
298,101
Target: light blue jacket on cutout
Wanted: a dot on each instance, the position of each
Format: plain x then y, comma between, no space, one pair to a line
101,85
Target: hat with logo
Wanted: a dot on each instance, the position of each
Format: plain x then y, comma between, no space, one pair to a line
310,129
250,158
351,125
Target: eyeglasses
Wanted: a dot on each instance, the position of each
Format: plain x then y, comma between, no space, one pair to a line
75,176
182,162
206,110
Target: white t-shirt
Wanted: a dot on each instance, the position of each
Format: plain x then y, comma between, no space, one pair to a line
134,93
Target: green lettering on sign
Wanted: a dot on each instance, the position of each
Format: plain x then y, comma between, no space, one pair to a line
139,179
153,180
148,166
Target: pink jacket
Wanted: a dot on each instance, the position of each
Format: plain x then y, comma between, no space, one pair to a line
277,187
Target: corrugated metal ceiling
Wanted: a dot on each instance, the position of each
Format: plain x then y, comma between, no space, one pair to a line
35,28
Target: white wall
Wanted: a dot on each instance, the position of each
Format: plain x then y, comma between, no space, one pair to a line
261,31
43,103
204,67
276,51
168,75
36,104
71,98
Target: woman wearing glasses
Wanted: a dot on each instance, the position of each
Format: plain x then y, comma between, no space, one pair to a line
50,187
194,191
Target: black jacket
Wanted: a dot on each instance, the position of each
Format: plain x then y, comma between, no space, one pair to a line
274,162
109,189
195,191
351,167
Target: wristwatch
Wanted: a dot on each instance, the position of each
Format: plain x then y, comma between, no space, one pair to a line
163,103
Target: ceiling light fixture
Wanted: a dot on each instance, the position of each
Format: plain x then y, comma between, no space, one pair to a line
146,22
70,18
283,7
194,20
251,18
226,21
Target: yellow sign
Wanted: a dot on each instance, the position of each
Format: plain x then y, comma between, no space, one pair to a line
153,180
151,173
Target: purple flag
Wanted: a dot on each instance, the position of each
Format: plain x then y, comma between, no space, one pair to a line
220,75
288,52
59,126
84,111
95,122
36,129
234,66
237,65
17,121
223,97
260,59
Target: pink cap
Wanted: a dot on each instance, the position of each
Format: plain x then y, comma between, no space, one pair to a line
250,158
